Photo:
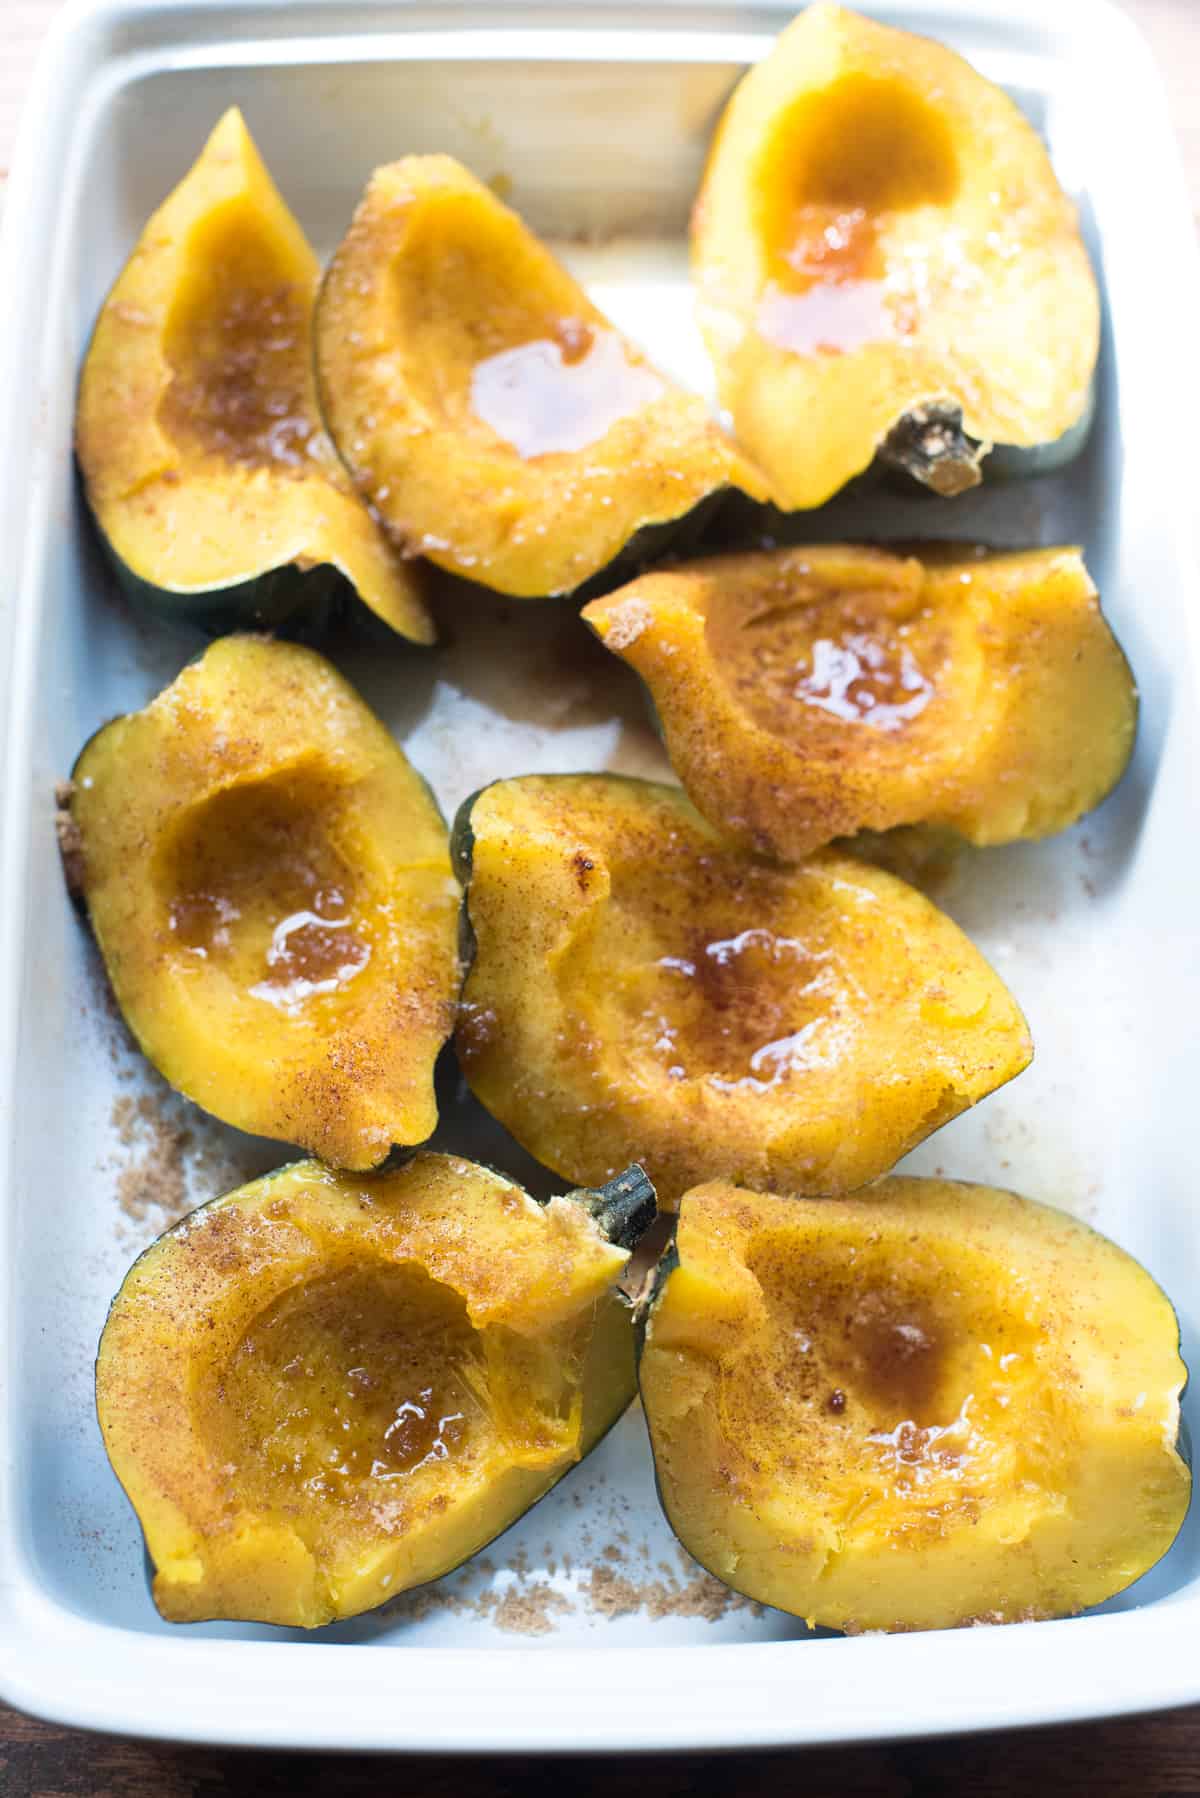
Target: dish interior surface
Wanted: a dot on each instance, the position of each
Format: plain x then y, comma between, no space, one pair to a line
601,151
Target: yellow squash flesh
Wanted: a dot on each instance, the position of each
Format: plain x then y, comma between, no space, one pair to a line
320,1391
641,990
493,416
880,237
807,694
269,882
927,1405
197,430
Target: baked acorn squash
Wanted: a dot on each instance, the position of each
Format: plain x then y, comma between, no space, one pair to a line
806,694
269,882
886,263
637,981
207,469
320,1391
926,1405
495,419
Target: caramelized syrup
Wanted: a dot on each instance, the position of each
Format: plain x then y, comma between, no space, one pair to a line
240,388
864,680
277,912
760,1009
355,1379
311,952
827,319
561,393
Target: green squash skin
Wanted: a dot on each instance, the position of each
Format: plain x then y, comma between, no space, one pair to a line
306,605
309,600
302,603
644,1307
621,1211
1007,462
462,860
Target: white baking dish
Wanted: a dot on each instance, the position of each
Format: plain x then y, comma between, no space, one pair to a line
599,115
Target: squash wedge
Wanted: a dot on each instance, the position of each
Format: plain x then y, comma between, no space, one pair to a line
637,980
808,694
269,882
494,418
213,484
887,265
320,1391
925,1405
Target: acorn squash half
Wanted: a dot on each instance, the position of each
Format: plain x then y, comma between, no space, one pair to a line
206,466
926,1405
887,264
494,418
269,882
320,1391
638,982
807,694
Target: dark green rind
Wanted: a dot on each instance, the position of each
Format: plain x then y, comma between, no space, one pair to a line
307,600
306,605
644,1309
1009,462
665,1266
288,600
650,543
623,1204
462,837
462,854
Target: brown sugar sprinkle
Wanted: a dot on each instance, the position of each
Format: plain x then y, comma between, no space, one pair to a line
70,842
164,1164
525,1610
153,1175
529,1606
698,1594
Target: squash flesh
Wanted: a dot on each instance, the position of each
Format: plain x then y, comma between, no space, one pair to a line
637,981
879,228
319,1392
269,883
810,693
489,411
922,1406
197,429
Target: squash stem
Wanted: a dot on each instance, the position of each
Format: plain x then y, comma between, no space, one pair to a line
624,1209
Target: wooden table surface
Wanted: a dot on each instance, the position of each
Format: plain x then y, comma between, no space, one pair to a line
1139,1758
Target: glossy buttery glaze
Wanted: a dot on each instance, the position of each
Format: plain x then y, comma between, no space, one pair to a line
561,393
